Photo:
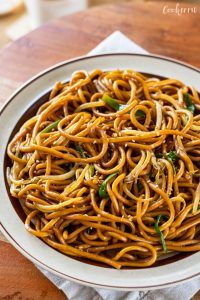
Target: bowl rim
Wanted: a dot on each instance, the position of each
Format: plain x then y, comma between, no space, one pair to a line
10,237
82,57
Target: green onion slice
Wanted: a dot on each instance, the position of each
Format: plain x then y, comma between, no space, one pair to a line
102,189
81,151
20,155
50,127
91,170
113,102
139,186
140,113
189,104
157,229
172,156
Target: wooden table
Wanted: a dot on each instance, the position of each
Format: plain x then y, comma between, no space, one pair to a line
65,38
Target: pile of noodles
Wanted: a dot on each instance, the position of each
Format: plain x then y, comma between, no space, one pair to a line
109,168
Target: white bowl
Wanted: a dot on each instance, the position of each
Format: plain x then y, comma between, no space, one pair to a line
167,274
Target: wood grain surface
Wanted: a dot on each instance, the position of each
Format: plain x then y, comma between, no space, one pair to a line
28,283
65,38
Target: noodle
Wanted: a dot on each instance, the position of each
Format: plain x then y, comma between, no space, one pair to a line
109,168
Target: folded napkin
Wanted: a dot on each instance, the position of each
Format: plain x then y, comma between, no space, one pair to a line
118,42
115,43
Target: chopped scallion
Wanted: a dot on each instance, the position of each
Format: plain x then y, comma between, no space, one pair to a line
139,186
190,106
102,189
81,151
140,113
50,127
113,102
91,170
157,229
171,156
20,155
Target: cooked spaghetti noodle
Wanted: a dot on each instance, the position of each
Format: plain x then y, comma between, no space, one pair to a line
108,169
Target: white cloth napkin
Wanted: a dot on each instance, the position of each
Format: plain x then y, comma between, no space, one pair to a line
118,42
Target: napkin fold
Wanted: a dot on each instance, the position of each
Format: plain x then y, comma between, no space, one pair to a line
118,42
115,43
